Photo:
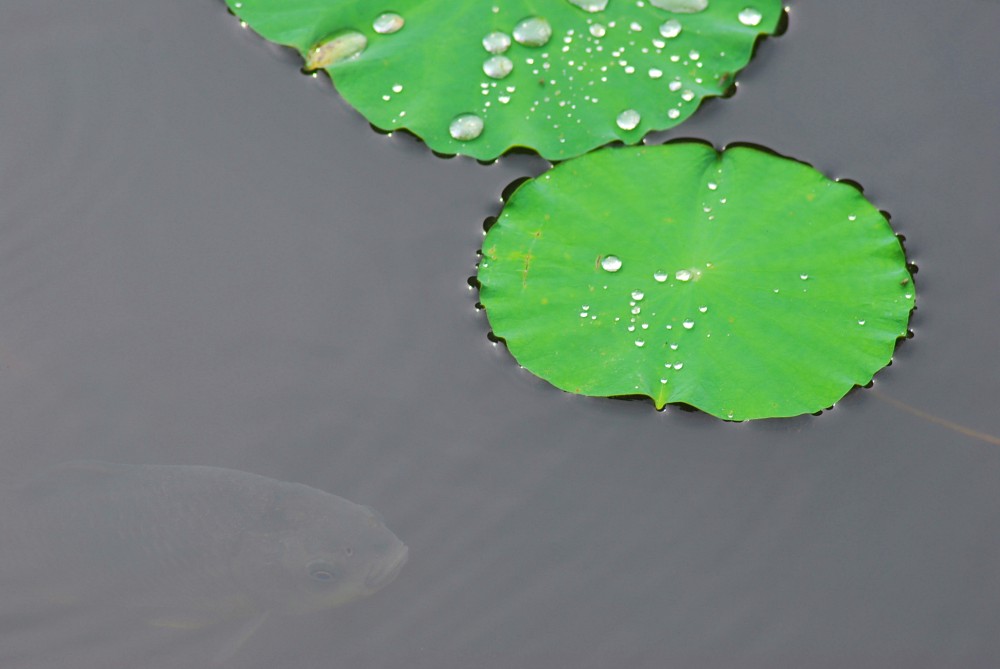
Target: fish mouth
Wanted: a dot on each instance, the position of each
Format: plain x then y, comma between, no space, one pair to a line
384,573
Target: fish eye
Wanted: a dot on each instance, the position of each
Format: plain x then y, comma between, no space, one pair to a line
322,571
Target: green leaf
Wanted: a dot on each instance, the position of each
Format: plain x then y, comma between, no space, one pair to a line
742,283
600,76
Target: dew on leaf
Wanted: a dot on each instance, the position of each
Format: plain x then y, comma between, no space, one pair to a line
681,6
496,42
671,28
598,30
498,67
628,119
533,31
683,275
388,23
466,127
660,276
590,5
688,324
342,47
611,263
638,295
750,17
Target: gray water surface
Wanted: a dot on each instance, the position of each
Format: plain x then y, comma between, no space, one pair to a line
207,258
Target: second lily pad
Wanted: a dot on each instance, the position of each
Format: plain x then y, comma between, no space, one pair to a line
560,77
743,283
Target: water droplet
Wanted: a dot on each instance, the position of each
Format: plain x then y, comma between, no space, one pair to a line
675,85
803,276
683,275
861,322
750,17
597,30
585,307
398,88
466,127
681,6
688,324
628,119
663,380
631,328
673,113
346,45
673,347
702,309
852,217
636,310
533,31
712,185
611,263
660,276
583,314
671,28
590,5
496,42
678,365
655,73
388,23
498,67
638,295
640,343
635,26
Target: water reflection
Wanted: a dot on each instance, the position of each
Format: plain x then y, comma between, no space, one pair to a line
115,558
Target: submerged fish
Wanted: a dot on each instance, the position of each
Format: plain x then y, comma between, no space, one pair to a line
185,546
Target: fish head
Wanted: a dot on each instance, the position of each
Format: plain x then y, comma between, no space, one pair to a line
315,551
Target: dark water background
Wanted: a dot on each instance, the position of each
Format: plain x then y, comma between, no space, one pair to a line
207,258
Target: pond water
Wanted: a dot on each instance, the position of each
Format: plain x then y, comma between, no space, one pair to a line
207,258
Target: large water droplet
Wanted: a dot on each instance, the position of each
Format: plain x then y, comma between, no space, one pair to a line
590,5
533,31
683,275
611,263
388,23
660,276
750,16
678,365
688,324
346,45
671,29
640,343
681,6
498,67
496,42
466,127
628,119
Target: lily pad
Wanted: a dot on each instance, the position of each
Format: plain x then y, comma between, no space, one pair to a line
740,282
560,77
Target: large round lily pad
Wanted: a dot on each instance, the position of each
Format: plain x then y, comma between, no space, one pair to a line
743,283
559,77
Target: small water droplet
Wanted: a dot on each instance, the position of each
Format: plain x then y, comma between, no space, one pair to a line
673,113
681,6
688,324
678,365
638,295
590,5
750,17
466,127
712,185
598,30
671,28
628,119
344,46
640,343
388,23
804,277
861,322
583,314
636,310
636,26
655,73
683,275
660,276
533,31
611,263
852,217
585,307
673,347
496,42
498,67
398,88
663,380
702,309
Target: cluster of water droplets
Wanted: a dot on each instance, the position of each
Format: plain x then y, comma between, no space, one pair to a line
571,68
